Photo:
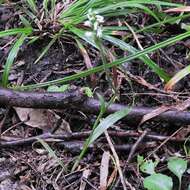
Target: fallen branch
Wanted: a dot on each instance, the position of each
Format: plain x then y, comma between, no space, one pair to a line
7,143
39,99
136,113
77,100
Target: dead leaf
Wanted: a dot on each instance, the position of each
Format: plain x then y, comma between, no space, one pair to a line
154,113
179,9
112,177
85,175
39,118
104,170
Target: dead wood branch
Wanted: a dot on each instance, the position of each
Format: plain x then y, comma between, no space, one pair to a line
39,99
77,100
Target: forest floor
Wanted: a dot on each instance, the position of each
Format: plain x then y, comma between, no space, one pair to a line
27,165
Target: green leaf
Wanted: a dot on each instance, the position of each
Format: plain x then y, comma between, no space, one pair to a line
63,88
177,166
88,92
140,159
45,5
12,54
45,50
148,166
158,182
102,103
108,122
186,146
15,31
124,46
52,153
177,77
110,65
32,5
55,88
25,21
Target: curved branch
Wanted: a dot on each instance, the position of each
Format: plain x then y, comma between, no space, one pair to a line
77,100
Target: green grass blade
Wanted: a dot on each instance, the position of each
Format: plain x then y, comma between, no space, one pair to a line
177,77
45,50
122,4
82,34
53,3
25,21
45,5
77,12
32,5
16,31
108,122
12,54
52,153
124,46
165,21
110,65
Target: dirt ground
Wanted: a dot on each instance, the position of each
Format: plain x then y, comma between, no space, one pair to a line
28,166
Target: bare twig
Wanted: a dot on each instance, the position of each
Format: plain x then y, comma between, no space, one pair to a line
135,146
136,113
132,151
123,180
6,142
164,142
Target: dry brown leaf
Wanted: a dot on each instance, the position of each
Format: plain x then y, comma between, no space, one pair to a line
104,170
39,118
85,175
112,177
154,113
179,9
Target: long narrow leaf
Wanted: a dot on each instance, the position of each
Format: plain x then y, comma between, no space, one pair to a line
44,51
15,31
177,77
12,54
32,5
108,122
160,72
51,153
110,65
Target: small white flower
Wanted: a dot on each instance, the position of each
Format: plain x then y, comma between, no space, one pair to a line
96,24
88,34
99,32
100,18
88,23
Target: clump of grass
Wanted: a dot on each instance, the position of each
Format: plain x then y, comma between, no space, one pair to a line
60,20
57,20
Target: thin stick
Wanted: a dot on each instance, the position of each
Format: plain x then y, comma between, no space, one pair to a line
135,146
123,181
80,135
164,142
133,149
